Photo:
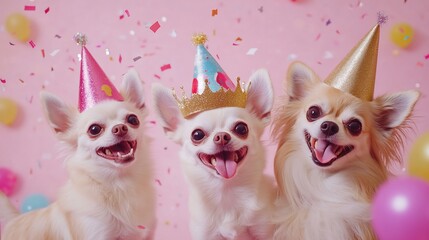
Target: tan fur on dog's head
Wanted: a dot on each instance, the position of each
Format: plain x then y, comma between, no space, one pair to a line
347,128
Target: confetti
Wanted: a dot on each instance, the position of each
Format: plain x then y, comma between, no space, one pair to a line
427,56
158,181
136,58
318,36
214,12
71,69
32,44
328,22
47,10
57,36
165,67
12,44
261,9
251,51
420,64
2,80
107,52
173,34
43,53
29,8
141,227
364,15
120,58
155,27
157,76
127,12
121,17
22,81
55,52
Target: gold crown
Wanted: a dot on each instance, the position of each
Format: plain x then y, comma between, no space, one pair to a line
211,100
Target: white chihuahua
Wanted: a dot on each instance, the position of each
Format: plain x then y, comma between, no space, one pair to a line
223,160
109,194
334,152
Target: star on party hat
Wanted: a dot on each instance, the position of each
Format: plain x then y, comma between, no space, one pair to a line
207,69
211,87
355,74
94,85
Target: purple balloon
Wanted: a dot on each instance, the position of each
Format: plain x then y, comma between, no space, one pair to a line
400,210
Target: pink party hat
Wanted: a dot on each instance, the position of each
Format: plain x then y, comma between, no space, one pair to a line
94,85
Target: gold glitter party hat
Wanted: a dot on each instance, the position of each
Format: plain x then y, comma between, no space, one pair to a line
355,74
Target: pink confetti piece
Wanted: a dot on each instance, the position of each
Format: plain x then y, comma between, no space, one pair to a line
12,44
47,10
43,53
120,58
261,9
165,67
2,80
141,227
152,122
363,15
157,76
318,36
57,36
137,58
420,64
32,44
155,27
22,81
235,44
121,17
158,182
71,69
328,22
168,171
427,56
29,8
127,12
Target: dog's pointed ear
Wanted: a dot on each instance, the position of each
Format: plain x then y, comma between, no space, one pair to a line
392,110
165,106
132,88
260,95
299,79
59,115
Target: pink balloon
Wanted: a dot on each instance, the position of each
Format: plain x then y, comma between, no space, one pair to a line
400,210
7,181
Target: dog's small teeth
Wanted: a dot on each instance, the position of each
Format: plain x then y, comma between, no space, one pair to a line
235,157
213,161
313,142
108,152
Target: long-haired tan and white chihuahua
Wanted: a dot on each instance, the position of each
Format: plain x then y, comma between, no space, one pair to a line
334,151
109,194
223,161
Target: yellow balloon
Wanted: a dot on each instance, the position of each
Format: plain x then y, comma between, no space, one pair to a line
8,111
19,26
402,34
418,163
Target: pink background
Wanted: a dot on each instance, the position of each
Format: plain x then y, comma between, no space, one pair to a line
319,33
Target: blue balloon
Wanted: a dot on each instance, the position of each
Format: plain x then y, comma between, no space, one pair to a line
33,202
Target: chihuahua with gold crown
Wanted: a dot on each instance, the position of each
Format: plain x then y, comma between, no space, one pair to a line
221,153
335,146
109,193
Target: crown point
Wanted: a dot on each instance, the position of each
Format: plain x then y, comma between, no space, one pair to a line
199,39
80,39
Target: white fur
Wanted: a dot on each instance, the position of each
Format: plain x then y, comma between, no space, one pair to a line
235,208
333,202
102,199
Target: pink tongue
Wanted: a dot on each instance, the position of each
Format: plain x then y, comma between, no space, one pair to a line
324,153
226,167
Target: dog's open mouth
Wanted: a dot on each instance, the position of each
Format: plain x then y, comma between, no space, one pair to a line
225,162
122,152
324,153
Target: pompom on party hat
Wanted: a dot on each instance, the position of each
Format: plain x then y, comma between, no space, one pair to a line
94,85
211,87
356,73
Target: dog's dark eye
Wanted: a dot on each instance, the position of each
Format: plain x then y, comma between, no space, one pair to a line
133,120
313,113
94,130
198,135
241,129
355,127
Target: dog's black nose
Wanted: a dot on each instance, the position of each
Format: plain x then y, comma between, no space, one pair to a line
120,130
222,138
329,128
